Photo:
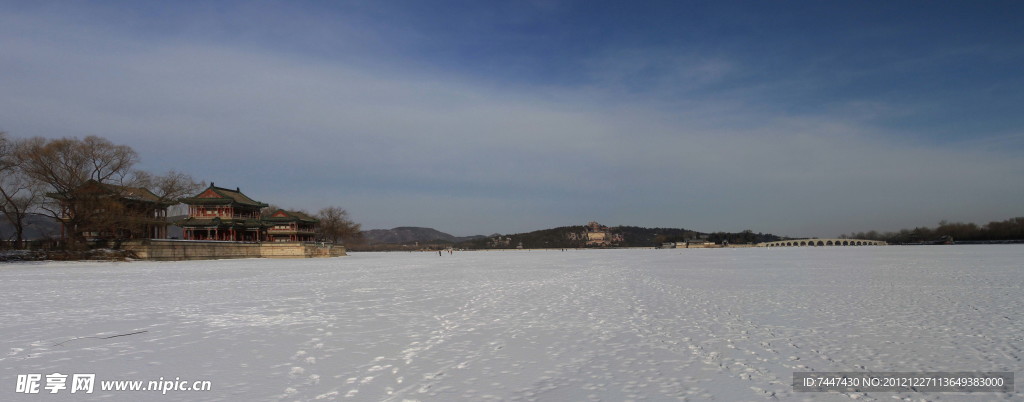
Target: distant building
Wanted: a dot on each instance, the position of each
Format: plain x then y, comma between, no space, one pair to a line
500,241
114,212
219,213
598,235
696,243
290,226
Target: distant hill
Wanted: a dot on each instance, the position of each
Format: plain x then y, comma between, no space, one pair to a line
628,236
560,237
37,227
410,234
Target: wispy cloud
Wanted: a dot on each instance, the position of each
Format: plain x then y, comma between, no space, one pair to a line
646,142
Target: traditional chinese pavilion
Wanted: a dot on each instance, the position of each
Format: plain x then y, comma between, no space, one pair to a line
290,226
219,213
113,212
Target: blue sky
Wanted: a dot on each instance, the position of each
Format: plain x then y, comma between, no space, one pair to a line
474,117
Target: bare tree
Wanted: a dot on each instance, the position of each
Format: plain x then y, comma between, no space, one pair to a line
108,163
266,211
6,153
336,226
65,166
169,187
19,194
147,197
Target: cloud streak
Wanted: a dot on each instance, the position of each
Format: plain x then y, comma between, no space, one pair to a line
642,143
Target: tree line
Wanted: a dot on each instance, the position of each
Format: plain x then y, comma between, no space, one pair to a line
1008,230
632,236
80,182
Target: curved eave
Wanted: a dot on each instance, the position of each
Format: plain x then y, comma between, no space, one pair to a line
289,220
219,201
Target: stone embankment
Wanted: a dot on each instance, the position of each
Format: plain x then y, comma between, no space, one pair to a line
175,250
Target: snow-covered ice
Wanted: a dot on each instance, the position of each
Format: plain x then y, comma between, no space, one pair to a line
723,324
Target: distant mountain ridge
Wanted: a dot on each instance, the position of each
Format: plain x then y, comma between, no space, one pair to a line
411,234
37,227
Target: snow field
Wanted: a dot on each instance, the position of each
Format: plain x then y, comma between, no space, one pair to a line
720,324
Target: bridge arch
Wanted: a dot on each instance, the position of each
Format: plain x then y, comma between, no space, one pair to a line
822,243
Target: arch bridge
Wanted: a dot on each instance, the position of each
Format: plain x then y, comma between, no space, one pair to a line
822,243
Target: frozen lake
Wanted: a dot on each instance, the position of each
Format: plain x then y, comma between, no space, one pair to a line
724,324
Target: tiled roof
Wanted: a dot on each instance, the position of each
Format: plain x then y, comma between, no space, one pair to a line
220,195
290,216
122,192
135,193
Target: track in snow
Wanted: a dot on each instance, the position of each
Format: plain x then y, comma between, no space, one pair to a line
520,325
